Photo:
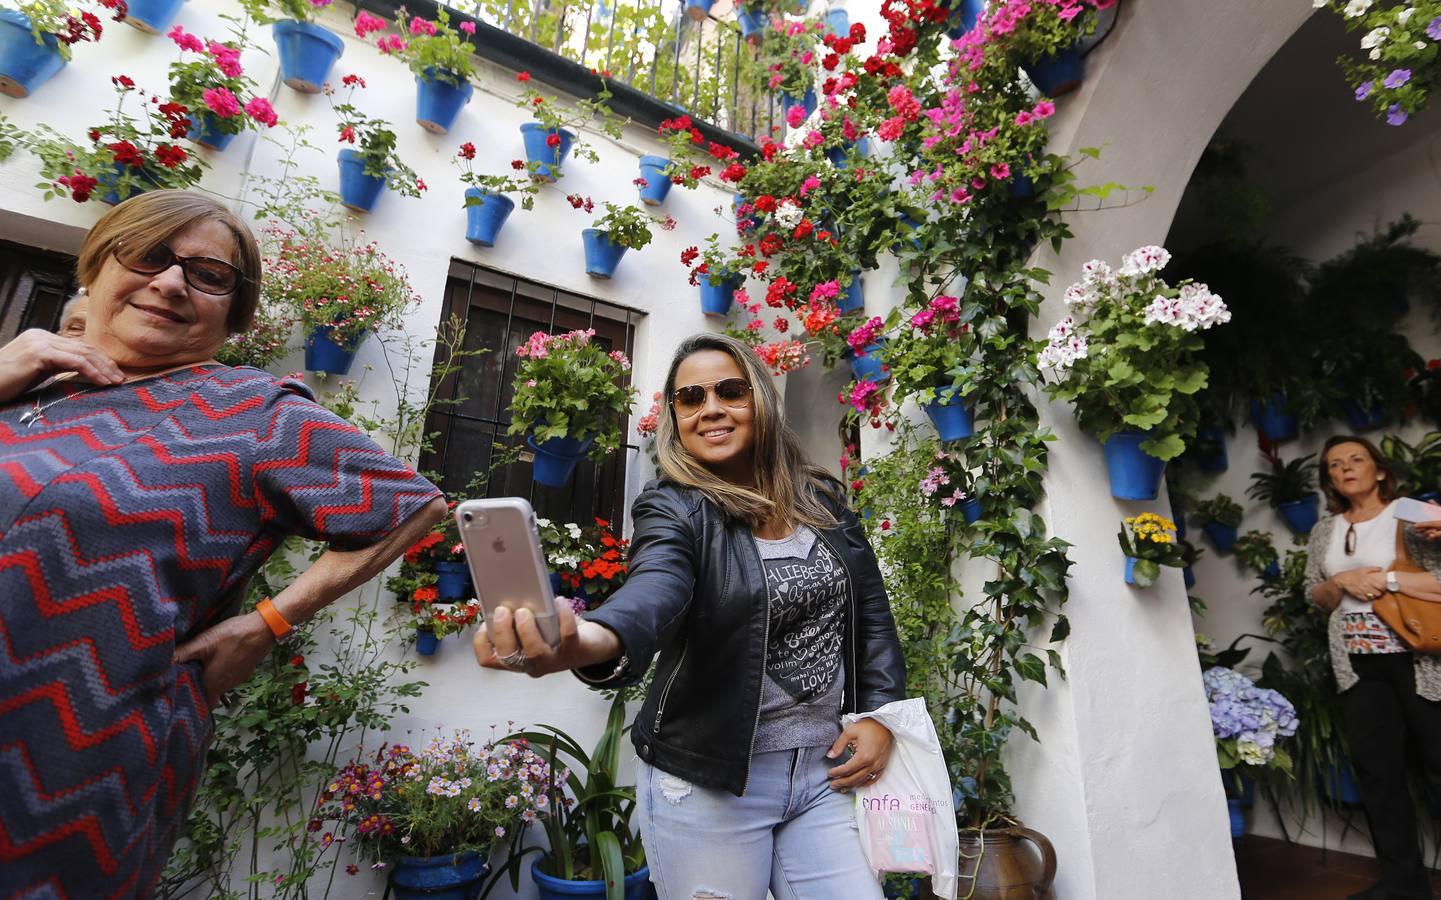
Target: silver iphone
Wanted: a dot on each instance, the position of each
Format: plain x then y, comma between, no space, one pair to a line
507,565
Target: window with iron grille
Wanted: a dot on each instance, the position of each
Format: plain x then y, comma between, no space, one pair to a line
499,313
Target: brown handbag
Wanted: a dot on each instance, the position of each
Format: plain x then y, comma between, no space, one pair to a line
1416,622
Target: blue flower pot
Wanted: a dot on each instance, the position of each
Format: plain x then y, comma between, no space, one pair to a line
952,418
601,255
1301,515
205,131
1272,570
452,580
1275,422
1188,577
807,101
426,643
1131,570
358,191
698,9
153,16
1021,185
307,54
716,296
1222,537
1363,419
484,218
556,459
325,355
1237,815
838,22
545,160
657,182
437,101
867,367
964,18
840,156
852,296
1135,474
753,24
637,886
456,876
971,509
1057,74
1339,784
1212,457
112,196
24,64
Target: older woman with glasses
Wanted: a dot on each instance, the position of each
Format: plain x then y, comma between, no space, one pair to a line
141,485
755,586
1389,696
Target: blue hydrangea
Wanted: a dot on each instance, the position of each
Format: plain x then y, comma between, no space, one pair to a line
1251,717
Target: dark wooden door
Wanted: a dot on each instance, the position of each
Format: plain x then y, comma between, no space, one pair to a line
34,285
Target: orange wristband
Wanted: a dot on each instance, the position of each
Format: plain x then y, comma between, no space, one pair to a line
273,619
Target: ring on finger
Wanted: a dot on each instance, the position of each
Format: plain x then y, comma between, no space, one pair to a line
873,776
517,661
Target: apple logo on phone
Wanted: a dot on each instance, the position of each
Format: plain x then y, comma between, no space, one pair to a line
498,546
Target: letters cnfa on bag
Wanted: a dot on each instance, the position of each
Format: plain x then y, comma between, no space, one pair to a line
907,818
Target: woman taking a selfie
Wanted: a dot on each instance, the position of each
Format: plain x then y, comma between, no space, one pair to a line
756,587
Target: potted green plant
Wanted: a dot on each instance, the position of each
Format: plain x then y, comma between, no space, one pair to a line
716,273
570,400
586,564
1149,542
1219,517
594,852
1290,488
1255,550
619,228
36,37
432,814
212,85
557,129
1045,39
1248,724
1400,68
788,56
373,164
339,292
486,204
440,56
1127,358
932,363
307,50
265,342
1418,465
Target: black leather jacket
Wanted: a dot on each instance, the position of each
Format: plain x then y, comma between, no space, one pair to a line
696,594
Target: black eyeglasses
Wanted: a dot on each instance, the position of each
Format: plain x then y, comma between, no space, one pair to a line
206,275
690,399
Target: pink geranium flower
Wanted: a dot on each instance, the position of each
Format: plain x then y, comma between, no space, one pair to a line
221,102
366,24
184,40
261,111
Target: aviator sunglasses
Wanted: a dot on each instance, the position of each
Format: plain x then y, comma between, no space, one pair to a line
732,392
206,275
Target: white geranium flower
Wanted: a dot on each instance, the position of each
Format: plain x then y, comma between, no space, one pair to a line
1404,15
1357,8
1080,297
1144,260
788,215
1096,273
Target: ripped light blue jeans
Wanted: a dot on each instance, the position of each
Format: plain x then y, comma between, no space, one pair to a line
790,834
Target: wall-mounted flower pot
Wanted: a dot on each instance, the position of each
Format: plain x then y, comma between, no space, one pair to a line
556,459
1237,816
1272,570
971,509
1021,185
1210,449
753,23
454,876
322,354
1188,577
697,10
1274,419
205,130
24,64
307,54
1337,782
1135,474
1363,419
452,580
426,643
840,156
952,418
1057,74
964,18
602,255
838,22
546,159
1222,537
853,296
440,95
867,366
806,101
657,182
1301,515
358,191
717,295
153,16
1131,570
637,886
113,196
485,214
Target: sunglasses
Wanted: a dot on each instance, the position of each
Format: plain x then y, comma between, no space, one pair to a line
206,275
690,399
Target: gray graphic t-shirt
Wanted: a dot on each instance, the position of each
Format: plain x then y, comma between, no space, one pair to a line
805,669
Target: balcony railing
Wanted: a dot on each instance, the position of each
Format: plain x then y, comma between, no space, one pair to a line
656,59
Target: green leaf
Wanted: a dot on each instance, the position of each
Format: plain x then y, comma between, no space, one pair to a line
1030,667
1168,447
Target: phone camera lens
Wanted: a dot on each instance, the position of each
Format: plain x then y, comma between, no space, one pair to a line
467,517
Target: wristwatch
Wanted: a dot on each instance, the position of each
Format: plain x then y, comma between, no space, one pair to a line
1392,584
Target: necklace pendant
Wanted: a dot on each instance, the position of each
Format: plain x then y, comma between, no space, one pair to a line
30,418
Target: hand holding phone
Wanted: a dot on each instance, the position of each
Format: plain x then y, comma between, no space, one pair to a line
507,565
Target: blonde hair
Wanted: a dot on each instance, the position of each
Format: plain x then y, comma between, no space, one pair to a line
151,218
786,482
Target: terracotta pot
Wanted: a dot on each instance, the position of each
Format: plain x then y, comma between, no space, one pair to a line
1007,864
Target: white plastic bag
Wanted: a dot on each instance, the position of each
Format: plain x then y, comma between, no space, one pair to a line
906,817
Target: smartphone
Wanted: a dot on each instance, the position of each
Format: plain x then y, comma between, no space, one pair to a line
1409,509
507,565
